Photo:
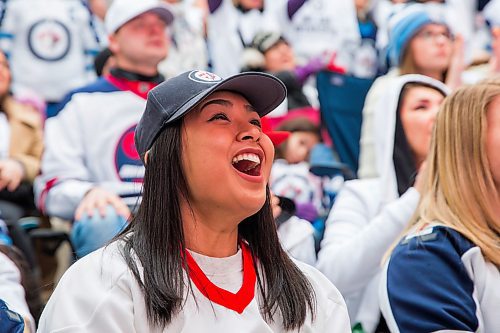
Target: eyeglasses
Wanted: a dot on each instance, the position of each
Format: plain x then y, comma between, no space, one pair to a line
428,36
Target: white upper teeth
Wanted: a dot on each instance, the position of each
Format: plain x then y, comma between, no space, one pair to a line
249,157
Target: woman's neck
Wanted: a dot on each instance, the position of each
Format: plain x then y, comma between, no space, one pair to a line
437,75
213,235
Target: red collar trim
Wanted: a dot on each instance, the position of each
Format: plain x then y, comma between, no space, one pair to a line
140,88
237,302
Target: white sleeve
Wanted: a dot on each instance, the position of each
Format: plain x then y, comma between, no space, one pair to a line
11,290
297,238
355,242
92,296
65,178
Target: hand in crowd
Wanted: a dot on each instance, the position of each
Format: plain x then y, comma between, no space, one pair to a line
457,64
275,205
419,180
11,174
99,198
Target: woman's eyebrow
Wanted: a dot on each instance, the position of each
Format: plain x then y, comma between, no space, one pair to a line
222,102
227,103
250,108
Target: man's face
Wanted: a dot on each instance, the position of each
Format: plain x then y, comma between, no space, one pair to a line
141,41
252,4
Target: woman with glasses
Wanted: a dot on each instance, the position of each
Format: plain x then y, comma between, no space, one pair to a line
420,42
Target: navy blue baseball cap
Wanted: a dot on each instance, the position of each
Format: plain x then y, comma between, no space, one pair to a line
172,99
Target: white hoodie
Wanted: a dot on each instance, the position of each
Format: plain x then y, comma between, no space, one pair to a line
368,216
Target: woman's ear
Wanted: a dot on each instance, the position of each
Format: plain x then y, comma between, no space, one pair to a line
146,156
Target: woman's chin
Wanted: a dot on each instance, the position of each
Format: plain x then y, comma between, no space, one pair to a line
251,207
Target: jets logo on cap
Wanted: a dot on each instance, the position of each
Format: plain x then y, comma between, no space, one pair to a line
204,77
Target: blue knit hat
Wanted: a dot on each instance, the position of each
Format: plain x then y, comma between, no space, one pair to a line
405,25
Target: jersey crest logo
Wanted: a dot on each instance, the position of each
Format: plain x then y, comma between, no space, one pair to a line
49,40
128,164
204,77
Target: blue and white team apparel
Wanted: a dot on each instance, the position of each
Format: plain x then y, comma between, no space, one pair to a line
91,143
231,29
316,26
50,45
439,281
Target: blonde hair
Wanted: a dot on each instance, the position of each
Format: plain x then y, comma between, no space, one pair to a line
459,191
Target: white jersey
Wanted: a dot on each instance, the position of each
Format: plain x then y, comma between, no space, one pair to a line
318,26
230,30
91,143
99,294
50,45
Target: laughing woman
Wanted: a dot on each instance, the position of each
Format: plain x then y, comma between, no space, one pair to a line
202,254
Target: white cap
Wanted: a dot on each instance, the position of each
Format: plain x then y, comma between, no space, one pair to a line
122,11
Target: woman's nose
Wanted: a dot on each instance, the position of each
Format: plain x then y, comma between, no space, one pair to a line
249,132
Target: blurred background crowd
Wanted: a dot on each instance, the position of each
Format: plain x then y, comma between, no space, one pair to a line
365,79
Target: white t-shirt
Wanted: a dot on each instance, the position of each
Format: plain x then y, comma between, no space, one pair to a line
99,294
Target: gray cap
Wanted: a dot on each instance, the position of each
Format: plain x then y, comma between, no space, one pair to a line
177,96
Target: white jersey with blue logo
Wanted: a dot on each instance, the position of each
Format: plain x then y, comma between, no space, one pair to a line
438,281
50,45
91,143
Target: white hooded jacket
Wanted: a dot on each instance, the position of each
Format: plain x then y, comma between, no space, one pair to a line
368,216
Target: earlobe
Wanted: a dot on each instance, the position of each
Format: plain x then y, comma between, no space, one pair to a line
112,43
146,156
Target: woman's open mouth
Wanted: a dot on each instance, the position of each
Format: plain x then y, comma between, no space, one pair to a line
247,163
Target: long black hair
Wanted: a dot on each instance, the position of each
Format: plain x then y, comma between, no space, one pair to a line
155,237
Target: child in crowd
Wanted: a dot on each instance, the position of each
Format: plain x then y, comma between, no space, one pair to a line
290,175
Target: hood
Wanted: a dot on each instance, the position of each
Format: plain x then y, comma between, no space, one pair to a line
384,129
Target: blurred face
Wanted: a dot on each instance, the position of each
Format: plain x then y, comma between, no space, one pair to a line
361,4
141,42
418,113
298,146
227,159
279,57
4,75
431,48
251,4
493,139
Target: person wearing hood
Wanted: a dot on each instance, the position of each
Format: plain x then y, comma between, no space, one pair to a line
420,42
370,214
456,228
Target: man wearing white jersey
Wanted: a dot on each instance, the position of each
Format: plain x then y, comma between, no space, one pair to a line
91,172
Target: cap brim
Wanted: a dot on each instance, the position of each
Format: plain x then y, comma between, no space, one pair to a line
263,91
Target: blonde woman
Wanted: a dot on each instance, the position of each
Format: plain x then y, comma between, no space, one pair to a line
444,275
